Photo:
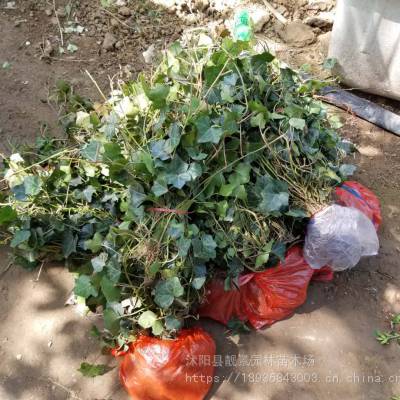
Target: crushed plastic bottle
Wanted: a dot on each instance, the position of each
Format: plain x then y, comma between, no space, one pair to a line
243,30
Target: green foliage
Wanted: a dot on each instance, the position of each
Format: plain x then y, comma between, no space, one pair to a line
93,370
211,164
385,338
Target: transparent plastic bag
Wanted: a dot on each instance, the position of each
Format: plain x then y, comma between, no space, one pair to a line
339,236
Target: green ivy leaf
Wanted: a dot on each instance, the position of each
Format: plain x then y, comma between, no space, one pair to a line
69,243
258,121
274,195
176,229
137,196
110,291
94,244
329,63
99,262
227,190
32,185
157,328
166,291
296,213
204,247
347,170
202,123
172,323
7,214
84,287
230,125
112,152
158,95
159,150
92,151
147,319
160,187
279,250
200,276
88,193
93,370
260,60
20,237
264,256
297,123
179,173
183,246
211,135
113,270
111,321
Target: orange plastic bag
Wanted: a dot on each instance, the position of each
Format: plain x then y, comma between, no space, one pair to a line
275,293
264,297
221,305
324,274
353,194
180,369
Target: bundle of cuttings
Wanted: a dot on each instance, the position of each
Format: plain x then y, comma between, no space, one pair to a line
209,166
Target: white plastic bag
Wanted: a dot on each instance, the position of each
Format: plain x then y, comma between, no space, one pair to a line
339,236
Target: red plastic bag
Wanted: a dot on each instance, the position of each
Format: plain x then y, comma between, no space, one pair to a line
275,293
221,305
324,274
264,297
353,194
180,369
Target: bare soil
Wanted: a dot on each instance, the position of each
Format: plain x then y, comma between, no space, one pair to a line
326,351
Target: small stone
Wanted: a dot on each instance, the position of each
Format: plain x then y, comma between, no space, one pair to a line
165,3
109,41
61,13
297,34
50,343
19,357
321,5
119,44
259,15
114,23
322,20
191,18
10,5
125,11
148,55
201,5
48,12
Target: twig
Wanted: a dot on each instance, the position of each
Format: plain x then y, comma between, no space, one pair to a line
6,270
40,271
275,13
69,391
72,60
95,84
58,23
119,20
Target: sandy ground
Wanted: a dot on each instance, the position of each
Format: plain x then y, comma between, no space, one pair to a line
326,351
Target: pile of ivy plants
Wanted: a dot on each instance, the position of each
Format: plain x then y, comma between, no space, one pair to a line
210,165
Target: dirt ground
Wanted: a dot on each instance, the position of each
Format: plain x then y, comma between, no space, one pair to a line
326,351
